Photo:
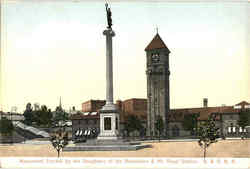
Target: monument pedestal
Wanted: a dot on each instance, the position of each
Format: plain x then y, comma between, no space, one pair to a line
109,123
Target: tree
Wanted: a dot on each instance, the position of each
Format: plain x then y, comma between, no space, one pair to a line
6,126
133,123
28,115
60,116
244,118
59,140
43,116
159,125
190,121
207,133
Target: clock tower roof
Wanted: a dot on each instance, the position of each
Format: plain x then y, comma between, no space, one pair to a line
156,43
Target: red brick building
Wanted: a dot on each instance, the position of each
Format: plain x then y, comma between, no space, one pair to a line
227,116
134,106
93,105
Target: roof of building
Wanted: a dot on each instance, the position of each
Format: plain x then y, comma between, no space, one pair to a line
156,43
205,112
242,103
85,115
94,101
135,99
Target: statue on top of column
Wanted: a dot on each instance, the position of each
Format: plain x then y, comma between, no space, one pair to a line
109,19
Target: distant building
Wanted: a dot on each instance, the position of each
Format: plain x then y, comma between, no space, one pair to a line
134,106
92,105
227,116
12,116
89,117
73,110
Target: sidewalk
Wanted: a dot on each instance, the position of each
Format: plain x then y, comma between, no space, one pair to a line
187,140
43,142
31,142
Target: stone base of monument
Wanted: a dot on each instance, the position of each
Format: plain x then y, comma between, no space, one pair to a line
106,145
109,123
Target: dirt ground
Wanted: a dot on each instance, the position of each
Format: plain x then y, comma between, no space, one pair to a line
225,148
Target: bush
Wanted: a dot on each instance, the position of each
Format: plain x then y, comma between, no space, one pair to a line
6,126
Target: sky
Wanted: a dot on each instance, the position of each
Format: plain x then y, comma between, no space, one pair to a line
56,48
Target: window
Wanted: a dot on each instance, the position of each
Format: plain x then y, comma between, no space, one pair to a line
155,57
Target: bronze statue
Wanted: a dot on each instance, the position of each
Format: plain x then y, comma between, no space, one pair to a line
109,19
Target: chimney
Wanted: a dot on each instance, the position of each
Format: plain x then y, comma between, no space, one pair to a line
205,100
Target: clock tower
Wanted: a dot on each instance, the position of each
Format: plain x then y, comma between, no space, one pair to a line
157,72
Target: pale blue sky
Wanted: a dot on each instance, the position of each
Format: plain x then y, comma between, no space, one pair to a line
56,48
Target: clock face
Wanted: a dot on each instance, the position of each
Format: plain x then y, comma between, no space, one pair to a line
155,57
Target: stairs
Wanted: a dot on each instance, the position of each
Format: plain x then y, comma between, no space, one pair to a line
27,135
22,133
29,132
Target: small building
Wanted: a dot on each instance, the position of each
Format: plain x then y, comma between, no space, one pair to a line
84,122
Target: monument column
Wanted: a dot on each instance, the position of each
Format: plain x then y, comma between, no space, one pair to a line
109,115
109,33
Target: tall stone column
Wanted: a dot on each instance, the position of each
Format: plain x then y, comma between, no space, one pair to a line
109,33
109,115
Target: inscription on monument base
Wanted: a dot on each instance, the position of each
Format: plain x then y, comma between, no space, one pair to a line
109,126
